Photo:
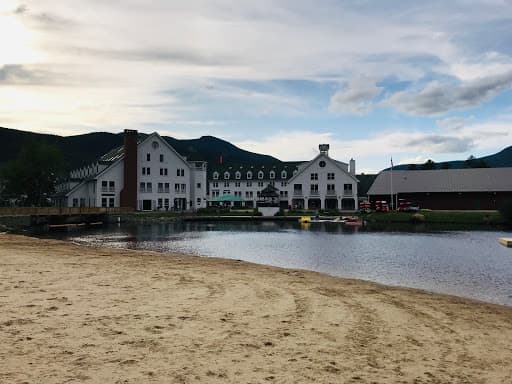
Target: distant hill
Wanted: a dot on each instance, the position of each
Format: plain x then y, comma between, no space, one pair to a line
497,160
85,149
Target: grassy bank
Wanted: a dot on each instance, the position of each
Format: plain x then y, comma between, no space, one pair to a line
439,217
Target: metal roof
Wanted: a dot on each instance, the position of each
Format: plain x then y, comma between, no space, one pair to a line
444,180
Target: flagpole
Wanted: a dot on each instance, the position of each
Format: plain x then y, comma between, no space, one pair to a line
391,183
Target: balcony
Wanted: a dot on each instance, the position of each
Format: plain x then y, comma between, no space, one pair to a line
298,192
314,193
330,192
348,193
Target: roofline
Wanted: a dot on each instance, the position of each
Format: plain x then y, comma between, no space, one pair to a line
332,160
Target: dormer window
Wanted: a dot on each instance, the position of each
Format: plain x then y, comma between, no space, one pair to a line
260,175
215,175
283,174
226,175
249,175
272,175
238,175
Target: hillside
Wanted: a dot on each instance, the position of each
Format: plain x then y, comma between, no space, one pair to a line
497,160
84,149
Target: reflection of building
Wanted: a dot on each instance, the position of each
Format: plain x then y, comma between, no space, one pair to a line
143,174
469,188
322,183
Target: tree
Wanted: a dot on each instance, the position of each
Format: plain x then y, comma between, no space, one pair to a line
412,167
473,162
429,164
445,165
32,176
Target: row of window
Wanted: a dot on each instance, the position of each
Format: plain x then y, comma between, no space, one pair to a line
330,176
261,175
347,188
148,157
108,186
180,172
163,187
238,184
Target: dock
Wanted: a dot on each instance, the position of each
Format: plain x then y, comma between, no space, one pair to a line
506,241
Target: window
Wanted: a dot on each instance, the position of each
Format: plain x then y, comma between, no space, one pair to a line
104,186
226,175
111,186
226,184
215,184
155,144
314,176
347,189
249,183
111,202
146,171
148,157
143,170
198,201
272,175
260,183
215,193
149,187
142,187
260,175
160,187
238,175
82,202
272,183
161,158
297,187
165,172
226,192
283,174
183,187
75,203
176,187
237,184
331,187
198,186
284,183
160,201
166,203
166,187
321,164
215,175
180,172
161,171
249,175
104,202
314,188
330,176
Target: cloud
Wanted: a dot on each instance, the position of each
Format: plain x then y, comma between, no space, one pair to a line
441,143
452,123
356,98
438,98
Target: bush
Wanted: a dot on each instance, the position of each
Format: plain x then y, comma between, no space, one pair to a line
506,211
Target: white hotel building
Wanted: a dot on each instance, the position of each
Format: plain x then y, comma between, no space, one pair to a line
149,175
322,183
142,174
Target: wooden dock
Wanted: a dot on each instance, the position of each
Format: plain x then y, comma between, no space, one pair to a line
505,241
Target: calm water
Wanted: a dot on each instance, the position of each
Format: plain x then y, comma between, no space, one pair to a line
464,263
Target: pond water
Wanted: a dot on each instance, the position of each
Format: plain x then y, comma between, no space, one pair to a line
459,262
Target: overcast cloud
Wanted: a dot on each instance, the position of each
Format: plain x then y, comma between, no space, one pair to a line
349,72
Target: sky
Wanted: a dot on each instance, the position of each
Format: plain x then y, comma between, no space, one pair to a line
376,80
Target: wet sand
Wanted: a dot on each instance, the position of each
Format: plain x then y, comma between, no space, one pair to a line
72,314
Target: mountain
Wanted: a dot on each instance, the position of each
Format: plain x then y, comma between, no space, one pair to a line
497,160
85,149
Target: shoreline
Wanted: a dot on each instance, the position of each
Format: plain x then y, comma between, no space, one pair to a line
98,314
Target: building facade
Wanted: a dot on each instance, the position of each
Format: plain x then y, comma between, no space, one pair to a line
322,183
142,174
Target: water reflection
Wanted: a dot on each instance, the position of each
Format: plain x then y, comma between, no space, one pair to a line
460,262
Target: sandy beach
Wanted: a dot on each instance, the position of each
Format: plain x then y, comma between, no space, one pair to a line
70,314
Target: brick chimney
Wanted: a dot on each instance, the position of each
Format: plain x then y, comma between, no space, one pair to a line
129,192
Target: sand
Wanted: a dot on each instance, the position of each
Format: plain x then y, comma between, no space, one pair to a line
70,314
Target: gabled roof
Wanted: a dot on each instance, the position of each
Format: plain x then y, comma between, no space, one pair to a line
338,164
444,180
289,167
